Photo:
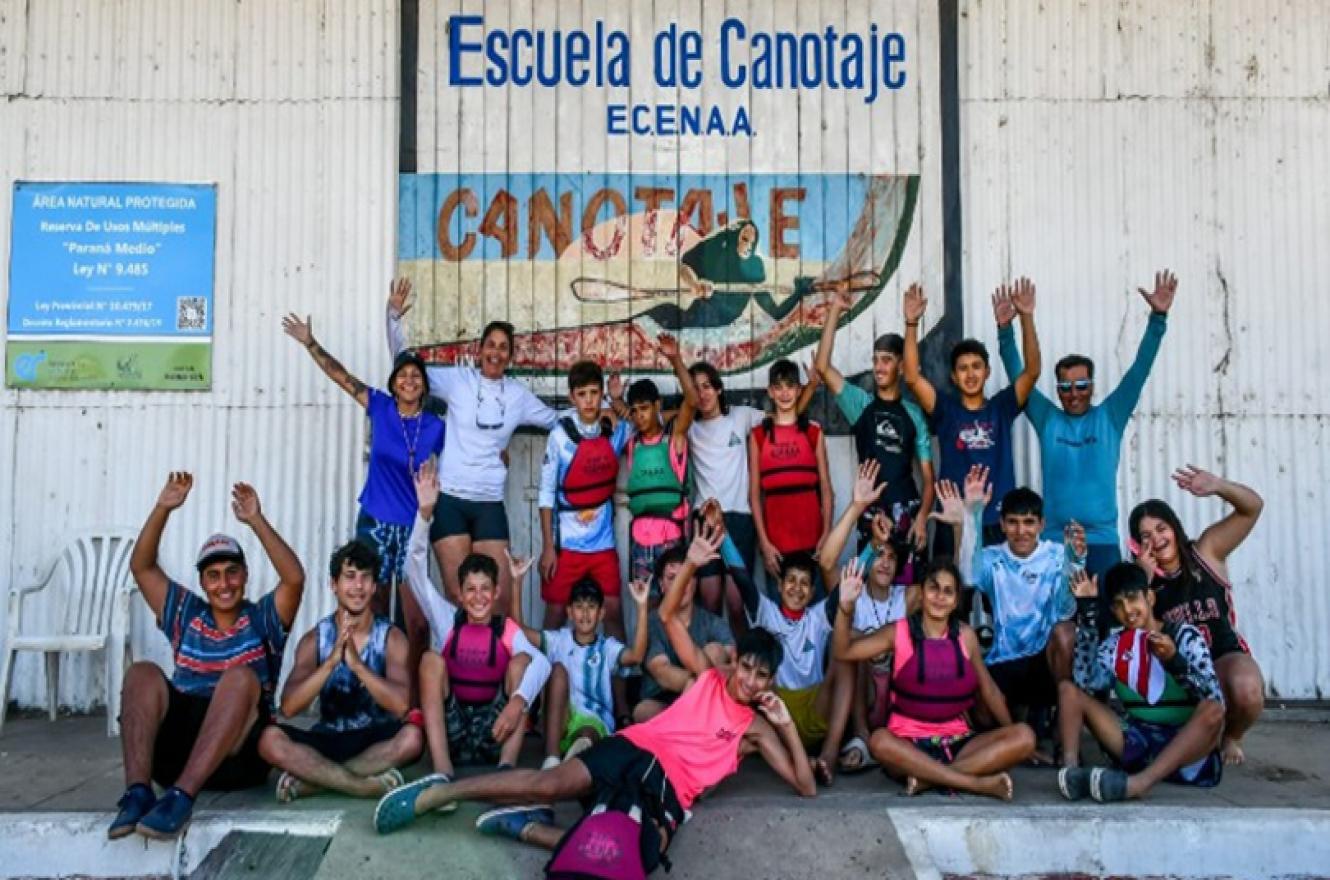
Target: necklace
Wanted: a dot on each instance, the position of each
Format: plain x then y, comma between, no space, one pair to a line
410,442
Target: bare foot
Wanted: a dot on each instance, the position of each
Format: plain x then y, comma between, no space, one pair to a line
822,771
914,785
1232,752
998,786
1040,758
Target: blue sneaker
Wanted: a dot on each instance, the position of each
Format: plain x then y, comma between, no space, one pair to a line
134,804
512,821
397,808
169,817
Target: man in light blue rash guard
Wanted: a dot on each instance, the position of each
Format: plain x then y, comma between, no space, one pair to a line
1081,443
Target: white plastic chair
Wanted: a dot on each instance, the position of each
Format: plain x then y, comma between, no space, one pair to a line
93,616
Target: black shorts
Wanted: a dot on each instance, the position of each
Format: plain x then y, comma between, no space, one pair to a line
340,746
624,775
482,520
1026,681
740,528
178,733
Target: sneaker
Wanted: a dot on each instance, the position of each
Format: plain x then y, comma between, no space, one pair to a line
169,817
1108,785
1074,783
512,821
397,808
133,805
550,762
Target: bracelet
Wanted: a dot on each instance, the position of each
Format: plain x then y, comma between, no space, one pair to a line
911,323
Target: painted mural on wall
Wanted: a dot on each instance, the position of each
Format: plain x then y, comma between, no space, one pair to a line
735,268
635,169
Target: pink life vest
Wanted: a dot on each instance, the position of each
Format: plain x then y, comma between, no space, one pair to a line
933,681
476,657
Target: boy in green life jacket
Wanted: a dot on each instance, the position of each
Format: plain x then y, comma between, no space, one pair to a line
657,462
1164,676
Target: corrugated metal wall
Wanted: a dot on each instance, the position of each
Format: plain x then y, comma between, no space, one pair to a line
1102,141
291,108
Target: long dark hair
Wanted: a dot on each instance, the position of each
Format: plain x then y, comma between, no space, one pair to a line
943,565
1158,509
713,376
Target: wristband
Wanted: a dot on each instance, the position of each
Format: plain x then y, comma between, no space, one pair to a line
911,323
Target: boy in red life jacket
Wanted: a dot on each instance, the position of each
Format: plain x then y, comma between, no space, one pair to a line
577,481
482,673
665,763
1165,678
657,467
789,485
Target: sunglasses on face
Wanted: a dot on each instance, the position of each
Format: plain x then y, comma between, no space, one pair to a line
1079,385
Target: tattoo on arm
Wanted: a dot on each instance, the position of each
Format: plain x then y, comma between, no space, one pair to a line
333,367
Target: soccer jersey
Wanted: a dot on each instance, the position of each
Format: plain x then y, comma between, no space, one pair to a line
1029,596
586,531
590,670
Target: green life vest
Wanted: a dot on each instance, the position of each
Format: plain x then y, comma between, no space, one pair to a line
654,489
1136,667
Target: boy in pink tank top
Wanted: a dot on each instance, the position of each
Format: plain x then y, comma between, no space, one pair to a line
699,740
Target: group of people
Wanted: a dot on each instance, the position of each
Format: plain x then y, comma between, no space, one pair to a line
749,633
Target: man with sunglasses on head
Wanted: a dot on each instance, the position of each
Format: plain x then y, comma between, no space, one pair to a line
1080,444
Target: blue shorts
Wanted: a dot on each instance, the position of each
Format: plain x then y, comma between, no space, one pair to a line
1142,742
481,520
390,541
642,562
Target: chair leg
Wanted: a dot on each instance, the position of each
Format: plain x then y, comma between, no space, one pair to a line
115,674
52,681
6,669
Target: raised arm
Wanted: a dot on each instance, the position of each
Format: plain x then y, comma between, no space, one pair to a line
826,492
843,645
1023,299
838,302
915,303
1037,406
438,611
303,332
865,493
701,551
1225,536
669,346
399,303
290,573
805,398
636,652
1088,672
143,564
1122,401
517,569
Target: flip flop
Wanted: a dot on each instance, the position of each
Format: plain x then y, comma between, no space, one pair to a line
822,773
856,746
390,779
1108,785
288,788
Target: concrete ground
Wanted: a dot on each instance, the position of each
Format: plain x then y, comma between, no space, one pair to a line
750,824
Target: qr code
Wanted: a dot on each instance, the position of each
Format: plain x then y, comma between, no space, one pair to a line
191,313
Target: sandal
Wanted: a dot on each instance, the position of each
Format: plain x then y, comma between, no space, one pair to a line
288,788
389,779
822,773
857,750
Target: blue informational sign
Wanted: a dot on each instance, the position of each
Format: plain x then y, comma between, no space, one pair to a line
111,285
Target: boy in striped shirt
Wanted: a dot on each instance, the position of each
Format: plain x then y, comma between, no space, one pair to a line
201,728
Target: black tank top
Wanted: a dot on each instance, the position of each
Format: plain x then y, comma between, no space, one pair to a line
1204,601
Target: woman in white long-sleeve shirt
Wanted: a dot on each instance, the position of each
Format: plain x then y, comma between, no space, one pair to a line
485,407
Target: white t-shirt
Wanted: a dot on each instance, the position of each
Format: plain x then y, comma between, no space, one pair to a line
719,450
482,416
590,668
872,614
804,641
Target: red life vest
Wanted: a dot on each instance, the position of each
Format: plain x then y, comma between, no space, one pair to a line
589,481
936,682
787,475
476,658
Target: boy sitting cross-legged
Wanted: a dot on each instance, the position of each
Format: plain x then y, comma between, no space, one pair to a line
355,663
1162,673
482,673
579,701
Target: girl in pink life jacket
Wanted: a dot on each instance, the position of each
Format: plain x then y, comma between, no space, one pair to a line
938,674
482,673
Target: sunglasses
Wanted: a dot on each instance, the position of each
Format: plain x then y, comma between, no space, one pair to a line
1079,385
